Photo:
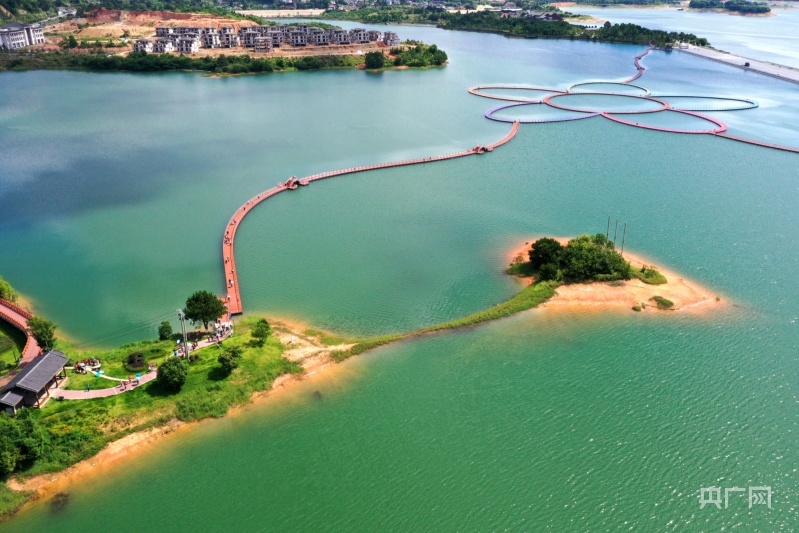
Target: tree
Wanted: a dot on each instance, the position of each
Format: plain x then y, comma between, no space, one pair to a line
172,373
374,59
72,42
164,331
545,251
261,331
7,292
229,359
43,331
202,306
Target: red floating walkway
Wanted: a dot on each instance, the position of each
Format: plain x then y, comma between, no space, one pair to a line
233,297
18,317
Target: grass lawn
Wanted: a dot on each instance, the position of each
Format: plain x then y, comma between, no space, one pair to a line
79,429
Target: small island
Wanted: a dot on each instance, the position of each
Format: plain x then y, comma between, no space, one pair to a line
589,271
740,7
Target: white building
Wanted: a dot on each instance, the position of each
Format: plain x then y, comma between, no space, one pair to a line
298,38
188,45
143,45
338,36
358,35
210,38
13,36
263,45
163,46
391,39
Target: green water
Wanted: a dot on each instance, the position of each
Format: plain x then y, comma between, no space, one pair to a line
116,188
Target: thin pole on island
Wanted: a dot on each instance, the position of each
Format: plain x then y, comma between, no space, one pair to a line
615,232
607,231
623,235
182,317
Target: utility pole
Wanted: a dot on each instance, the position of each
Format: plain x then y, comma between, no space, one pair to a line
623,235
182,317
615,232
607,231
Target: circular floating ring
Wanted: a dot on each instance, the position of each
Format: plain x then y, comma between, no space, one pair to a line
476,91
746,103
663,105
490,115
720,126
644,89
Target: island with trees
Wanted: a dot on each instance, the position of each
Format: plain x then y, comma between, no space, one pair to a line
522,26
742,7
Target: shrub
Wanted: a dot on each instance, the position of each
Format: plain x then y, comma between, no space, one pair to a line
374,60
135,362
662,303
229,359
261,331
545,251
637,308
649,275
172,373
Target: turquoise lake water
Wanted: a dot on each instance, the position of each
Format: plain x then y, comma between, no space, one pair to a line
116,189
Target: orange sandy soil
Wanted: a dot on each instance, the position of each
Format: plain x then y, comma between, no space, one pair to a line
685,294
107,23
316,362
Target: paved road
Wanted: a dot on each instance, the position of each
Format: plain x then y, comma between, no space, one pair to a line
762,67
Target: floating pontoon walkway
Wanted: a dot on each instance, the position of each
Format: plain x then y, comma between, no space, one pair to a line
233,296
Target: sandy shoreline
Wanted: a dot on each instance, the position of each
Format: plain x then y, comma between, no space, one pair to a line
316,362
686,294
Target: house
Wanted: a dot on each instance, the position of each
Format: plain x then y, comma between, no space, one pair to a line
13,36
228,37
318,36
374,36
31,386
549,17
248,38
338,36
188,44
143,45
163,46
391,39
210,38
164,31
358,35
262,45
298,38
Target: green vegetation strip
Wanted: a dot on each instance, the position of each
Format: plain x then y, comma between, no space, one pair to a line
416,55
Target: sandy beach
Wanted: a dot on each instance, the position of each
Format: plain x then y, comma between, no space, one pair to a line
686,294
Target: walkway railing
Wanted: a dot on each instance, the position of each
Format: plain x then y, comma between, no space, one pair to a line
233,302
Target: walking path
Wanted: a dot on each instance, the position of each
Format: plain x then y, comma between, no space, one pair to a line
18,317
233,296
65,394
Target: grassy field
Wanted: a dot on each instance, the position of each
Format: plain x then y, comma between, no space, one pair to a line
79,429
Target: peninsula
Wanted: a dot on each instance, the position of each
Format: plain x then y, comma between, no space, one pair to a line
263,356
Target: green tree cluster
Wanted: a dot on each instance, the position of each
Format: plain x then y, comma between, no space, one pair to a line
43,331
22,440
374,60
586,258
203,307
738,6
7,292
420,55
164,331
172,374
229,359
260,331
